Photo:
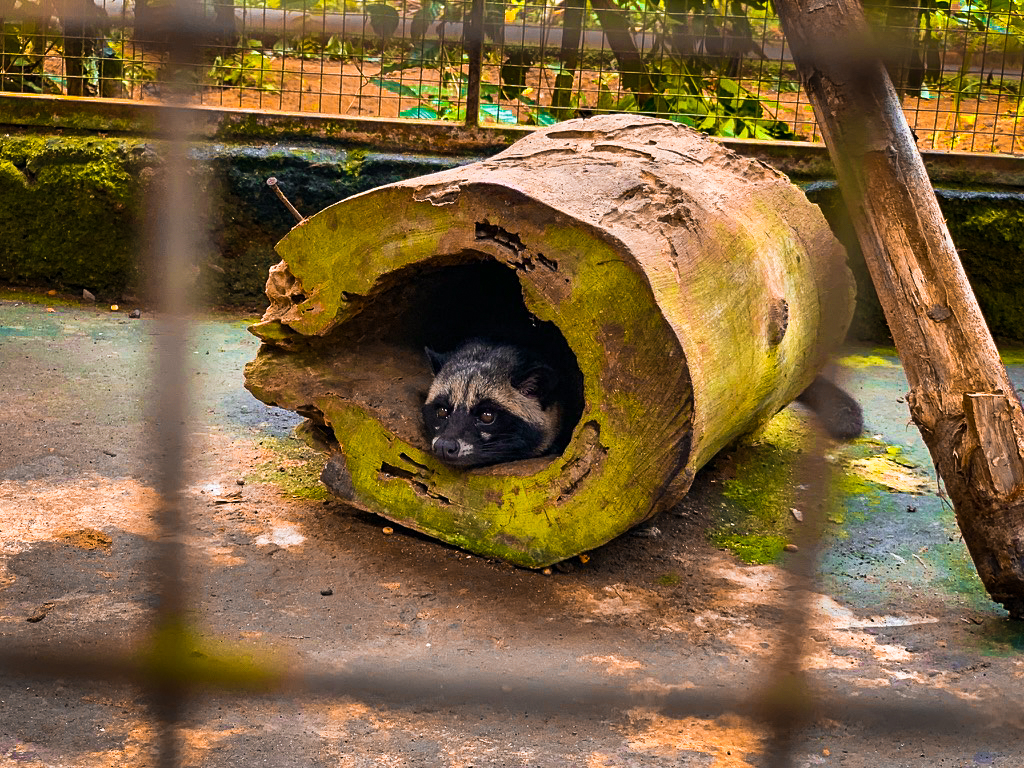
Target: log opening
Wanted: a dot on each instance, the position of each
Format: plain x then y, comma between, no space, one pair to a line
440,303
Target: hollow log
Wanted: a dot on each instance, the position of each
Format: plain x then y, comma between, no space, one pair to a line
691,293
961,397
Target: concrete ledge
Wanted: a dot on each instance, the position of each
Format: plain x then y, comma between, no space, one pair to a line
73,211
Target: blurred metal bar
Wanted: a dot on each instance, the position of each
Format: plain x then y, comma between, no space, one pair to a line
174,213
474,45
788,704
539,690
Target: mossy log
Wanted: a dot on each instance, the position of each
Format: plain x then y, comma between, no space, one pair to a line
692,293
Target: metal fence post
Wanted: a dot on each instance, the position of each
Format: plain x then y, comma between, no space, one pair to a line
474,43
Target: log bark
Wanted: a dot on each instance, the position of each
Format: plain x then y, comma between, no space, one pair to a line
692,292
961,397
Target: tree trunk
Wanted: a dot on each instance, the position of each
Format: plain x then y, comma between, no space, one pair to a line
691,293
961,398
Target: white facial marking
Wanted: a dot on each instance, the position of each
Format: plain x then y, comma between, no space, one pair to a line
485,435
434,441
464,448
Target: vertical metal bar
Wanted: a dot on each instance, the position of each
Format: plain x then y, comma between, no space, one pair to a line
787,705
173,237
474,43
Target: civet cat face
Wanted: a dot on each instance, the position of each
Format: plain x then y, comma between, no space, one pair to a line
490,403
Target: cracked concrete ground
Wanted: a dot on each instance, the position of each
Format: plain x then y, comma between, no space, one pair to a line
279,571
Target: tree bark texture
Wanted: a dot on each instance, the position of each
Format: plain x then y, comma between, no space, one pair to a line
696,293
961,398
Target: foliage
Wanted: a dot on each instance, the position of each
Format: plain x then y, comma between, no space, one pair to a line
993,29
698,62
24,46
248,67
447,102
134,71
673,78
94,63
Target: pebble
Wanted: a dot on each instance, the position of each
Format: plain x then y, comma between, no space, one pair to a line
327,592
791,548
135,314
88,295
388,530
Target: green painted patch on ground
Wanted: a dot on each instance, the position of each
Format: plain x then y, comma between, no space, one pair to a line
1002,638
754,548
295,468
755,522
761,506
42,299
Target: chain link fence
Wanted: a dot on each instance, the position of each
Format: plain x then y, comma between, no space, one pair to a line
723,68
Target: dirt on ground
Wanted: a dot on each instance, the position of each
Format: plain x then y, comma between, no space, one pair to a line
405,652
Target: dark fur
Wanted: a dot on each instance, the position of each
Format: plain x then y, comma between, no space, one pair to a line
490,403
519,394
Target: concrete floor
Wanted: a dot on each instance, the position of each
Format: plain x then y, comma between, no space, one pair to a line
565,669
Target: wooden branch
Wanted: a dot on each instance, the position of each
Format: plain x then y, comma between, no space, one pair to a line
961,398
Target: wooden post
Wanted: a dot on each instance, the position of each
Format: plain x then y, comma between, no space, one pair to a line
961,398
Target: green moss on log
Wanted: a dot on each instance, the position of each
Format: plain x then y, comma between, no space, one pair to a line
694,298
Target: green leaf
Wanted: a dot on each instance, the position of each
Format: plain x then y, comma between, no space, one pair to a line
334,48
727,86
542,117
499,114
395,87
384,19
684,119
488,91
421,113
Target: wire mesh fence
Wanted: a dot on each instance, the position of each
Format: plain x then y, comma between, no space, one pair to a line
723,68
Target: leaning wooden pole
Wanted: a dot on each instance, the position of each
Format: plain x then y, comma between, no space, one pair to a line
961,398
